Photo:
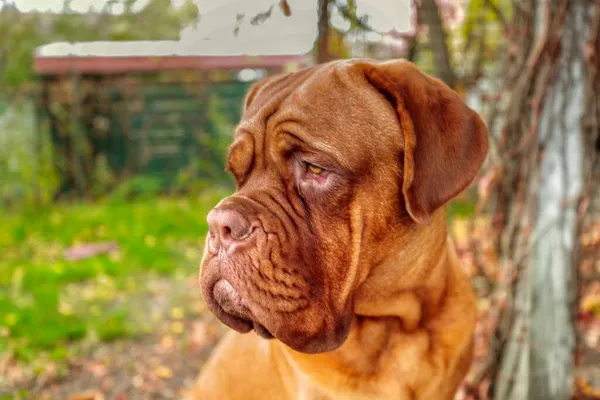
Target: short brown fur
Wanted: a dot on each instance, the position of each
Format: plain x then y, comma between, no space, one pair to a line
353,274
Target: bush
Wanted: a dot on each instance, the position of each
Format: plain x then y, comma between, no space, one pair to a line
27,174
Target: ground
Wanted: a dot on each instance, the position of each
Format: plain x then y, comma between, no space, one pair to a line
158,365
103,297
101,301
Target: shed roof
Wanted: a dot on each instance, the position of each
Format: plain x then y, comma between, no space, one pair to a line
145,56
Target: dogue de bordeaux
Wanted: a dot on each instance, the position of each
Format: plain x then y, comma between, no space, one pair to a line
334,244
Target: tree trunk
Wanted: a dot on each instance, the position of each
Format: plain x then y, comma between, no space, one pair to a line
429,14
555,262
546,172
323,54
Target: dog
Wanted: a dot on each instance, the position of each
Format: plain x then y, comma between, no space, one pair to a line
333,249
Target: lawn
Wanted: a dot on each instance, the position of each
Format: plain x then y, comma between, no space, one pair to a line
48,300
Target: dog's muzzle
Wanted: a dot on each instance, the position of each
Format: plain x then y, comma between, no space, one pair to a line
230,231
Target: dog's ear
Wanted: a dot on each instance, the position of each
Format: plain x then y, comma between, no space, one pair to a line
445,142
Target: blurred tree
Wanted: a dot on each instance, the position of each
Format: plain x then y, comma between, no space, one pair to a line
329,40
460,57
541,182
323,54
21,33
461,51
429,15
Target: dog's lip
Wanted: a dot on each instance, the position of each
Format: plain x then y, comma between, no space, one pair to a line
230,300
241,325
262,331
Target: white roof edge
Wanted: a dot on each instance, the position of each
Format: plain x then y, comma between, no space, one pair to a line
165,48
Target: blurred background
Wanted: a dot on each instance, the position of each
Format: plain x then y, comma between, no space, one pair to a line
115,116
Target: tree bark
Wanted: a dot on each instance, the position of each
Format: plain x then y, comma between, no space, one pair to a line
429,14
561,137
546,174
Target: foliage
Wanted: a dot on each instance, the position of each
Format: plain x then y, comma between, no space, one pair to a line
36,179
475,44
21,139
26,161
220,129
138,187
478,43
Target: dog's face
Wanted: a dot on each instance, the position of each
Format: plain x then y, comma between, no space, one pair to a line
330,161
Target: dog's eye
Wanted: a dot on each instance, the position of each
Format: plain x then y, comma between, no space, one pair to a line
315,174
313,169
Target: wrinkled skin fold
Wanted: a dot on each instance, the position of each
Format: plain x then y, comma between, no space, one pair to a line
334,243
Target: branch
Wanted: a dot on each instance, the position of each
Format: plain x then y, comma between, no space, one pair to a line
355,21
261,17
471,78
323,32
430,15
498,12
362,22
239,18
413,45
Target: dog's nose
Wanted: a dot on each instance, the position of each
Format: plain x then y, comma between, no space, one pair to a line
227,227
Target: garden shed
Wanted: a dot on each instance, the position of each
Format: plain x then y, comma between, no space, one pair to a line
119,109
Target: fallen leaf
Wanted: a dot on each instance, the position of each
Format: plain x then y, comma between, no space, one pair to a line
83,251
591,303
65,308
137,381
177,327
97,369
177,313
163,372
167,342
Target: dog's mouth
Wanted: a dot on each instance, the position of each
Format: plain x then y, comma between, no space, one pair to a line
306,329
233,311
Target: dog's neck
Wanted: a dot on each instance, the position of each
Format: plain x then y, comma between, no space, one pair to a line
400,295
410,282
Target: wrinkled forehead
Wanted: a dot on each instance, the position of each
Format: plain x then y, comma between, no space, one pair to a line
329,106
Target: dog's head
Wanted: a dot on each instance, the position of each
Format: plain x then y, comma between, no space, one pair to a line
329,161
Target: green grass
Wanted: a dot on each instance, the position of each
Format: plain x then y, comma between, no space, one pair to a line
47,301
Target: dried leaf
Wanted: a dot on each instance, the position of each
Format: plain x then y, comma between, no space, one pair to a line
177,313
591,303
137,381
83,251
177,327
97,368
163,372
285,8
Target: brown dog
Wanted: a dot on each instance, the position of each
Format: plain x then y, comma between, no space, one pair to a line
335,241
